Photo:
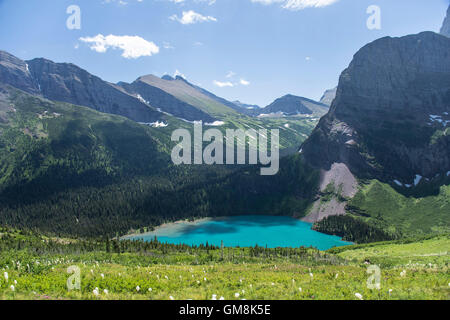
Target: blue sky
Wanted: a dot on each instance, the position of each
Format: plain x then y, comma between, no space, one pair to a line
249,50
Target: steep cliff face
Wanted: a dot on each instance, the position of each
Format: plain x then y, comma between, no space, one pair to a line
328,96
390,119
445,30
69,83
15,72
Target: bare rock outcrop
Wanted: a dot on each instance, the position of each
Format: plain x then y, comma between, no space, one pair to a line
390,119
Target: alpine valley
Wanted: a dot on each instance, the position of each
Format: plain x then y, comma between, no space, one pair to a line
81,156
85,162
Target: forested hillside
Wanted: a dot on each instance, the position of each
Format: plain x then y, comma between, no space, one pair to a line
69,170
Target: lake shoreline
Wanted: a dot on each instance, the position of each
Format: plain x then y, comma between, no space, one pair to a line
167,225
241,231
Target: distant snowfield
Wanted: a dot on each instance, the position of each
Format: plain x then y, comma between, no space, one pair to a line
156,124
417,179
139,97
437,118
281,114
271,115
215,124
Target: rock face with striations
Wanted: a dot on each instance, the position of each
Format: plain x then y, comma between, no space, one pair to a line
69,83
328,96
445,30
165,101
390,119
15,72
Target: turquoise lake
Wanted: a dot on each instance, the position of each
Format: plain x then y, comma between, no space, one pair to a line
244,231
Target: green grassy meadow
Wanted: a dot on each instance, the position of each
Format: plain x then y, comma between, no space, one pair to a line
36,267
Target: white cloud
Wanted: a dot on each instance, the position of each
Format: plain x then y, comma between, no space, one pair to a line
223,84
210,2
267,2
120,2
191,17
295,5
133,47
230,84
230,74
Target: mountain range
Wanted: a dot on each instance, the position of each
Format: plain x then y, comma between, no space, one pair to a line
149,99
79,155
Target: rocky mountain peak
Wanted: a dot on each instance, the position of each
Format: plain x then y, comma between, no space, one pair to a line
67,82
289,105
167,77
445,30
390,116
16,73
328,96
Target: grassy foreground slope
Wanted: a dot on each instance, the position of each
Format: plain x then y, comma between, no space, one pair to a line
419,252
37,269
